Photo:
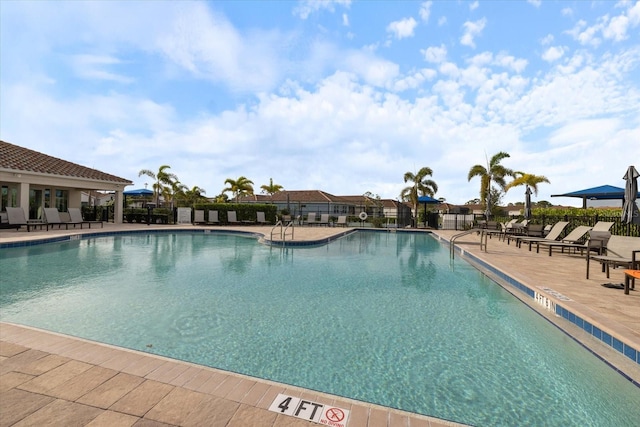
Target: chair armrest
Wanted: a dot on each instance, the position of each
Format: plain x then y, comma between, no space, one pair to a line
635,261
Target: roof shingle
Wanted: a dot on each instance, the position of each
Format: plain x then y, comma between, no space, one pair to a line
22,159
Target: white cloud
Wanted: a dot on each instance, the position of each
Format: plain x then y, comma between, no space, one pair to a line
435,54
345,19
471,30
425,10
547,40
403,28
553,53
566,11
614,28
536,3
474,5
442,21
92,67
308,7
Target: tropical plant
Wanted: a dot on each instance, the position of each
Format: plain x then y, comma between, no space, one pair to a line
239,187
191,196
492,172
272,188
527,179
164,181
421,187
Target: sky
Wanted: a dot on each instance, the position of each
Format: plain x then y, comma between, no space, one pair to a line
341,96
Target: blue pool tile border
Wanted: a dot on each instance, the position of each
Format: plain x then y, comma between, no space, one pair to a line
621,347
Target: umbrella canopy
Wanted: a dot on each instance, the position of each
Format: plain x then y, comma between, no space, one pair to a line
427,199
603,192
527,203
630,214
139,192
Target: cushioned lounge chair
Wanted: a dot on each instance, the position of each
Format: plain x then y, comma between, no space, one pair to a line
342,221
621,251
17,220
75,216
554,234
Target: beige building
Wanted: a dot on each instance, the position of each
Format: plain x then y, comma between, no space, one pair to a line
32,180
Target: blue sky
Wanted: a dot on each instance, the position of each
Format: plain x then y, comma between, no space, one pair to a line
343,96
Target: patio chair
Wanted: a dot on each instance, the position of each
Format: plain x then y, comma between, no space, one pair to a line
324,220
52,217
75,215
260,219
17,220
198,216
602,226
342,221
311,218
232,217
554,234
574,240
213,218
620,251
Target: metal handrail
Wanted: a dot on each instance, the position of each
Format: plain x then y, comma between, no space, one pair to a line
284,232
483,237
279,223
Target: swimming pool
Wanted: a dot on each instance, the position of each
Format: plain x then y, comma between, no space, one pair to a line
380,317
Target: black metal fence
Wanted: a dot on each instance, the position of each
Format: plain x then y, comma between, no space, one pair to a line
618,228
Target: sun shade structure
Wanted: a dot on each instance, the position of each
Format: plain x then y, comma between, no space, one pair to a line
603,192
139,192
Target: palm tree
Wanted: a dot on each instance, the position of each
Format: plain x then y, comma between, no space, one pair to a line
493,172
164,181
191,196
527,179
272,188
421,187
239,187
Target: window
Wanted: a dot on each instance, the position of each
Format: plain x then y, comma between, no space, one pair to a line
62,200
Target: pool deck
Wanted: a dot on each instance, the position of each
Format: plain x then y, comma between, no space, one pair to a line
48,378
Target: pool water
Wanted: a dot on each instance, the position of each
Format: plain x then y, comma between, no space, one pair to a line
385,318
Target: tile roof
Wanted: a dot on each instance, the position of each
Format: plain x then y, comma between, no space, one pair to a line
309,196
17,158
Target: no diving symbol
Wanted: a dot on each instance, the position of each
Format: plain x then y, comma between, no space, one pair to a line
334,414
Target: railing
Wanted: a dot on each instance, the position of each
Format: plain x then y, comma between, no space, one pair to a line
279,223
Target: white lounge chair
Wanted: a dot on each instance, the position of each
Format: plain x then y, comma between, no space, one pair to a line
198,216
75,215
232,217
52,217
342,221
554,234
620,251
16,218
260,219
213,218
324,220
311,218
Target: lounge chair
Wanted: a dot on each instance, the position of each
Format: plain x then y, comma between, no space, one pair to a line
52,217
621,251
16,218
554,234
213,218
260,219
574,240
232,217
324,220
602,226
311,218
75,216
198,216
342,221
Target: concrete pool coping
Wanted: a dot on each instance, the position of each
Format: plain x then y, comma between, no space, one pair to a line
34,363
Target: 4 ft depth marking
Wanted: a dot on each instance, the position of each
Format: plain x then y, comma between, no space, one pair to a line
310,411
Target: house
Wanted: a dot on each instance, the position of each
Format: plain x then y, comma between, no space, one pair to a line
33,181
